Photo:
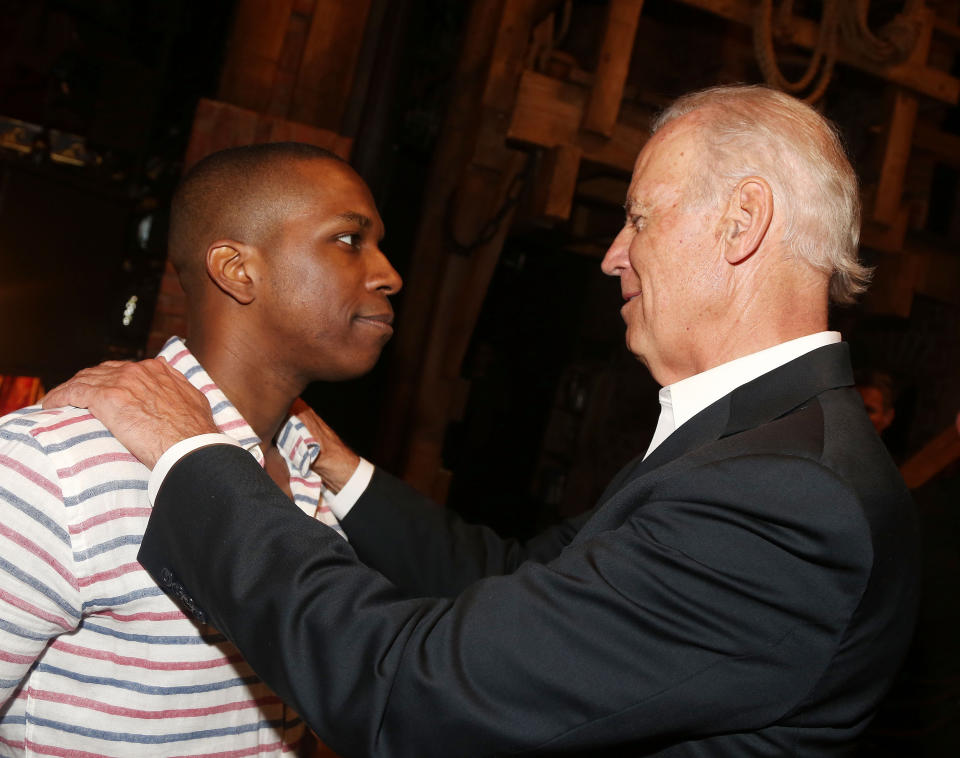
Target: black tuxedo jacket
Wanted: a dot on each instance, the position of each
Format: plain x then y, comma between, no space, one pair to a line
748,590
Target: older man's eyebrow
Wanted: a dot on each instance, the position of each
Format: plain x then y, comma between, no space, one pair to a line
357,218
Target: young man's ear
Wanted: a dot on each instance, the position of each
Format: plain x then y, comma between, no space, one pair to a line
232,266
747,220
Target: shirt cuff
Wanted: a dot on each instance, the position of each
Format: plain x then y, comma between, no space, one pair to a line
174,453
341,503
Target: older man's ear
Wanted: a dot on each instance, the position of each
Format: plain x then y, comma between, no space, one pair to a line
747,220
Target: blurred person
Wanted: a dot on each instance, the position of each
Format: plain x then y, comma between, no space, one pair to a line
877,390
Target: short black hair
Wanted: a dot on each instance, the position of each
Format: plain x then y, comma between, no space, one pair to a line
230,193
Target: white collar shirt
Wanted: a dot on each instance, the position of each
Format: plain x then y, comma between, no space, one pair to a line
681,401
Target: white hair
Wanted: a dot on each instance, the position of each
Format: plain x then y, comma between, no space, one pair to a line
752,130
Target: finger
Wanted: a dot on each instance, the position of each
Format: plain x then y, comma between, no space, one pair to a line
77,390
59,396
315,425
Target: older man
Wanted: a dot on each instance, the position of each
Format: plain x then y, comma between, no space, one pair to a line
745,588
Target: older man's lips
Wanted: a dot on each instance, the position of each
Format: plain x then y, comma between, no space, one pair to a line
382,321
629,297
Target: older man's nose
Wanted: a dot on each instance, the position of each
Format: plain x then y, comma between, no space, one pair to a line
615,260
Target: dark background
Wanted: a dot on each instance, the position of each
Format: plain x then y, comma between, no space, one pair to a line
556,403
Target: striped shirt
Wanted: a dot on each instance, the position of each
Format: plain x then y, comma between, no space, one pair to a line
95,660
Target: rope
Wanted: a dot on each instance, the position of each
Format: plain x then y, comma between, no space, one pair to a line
846,18
826,48
894,42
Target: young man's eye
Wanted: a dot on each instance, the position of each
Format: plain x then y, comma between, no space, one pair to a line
350,238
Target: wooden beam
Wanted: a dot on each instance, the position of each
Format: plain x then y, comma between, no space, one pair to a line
894,284
613,65
217,126
288,65
943,145
556,182
932,458
549,112
253,52
896,156
460,297
423,278
329,61
470,195
939,276
888,236
920,78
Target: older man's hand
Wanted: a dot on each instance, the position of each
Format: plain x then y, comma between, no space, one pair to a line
148,406
336,462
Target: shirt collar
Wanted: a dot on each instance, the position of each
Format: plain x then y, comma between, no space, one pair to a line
294,441
683,400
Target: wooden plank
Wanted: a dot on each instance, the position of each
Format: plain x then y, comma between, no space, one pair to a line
470,171
281,130
253,52
217,126
896,156
923,79
327,68
932,458
288,66
939,277
549,112
460,297
259,27
509,52
422,281
894,284
556,182
603,104
943,145
888,236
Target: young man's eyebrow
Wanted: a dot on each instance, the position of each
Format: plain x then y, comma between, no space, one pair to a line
357,218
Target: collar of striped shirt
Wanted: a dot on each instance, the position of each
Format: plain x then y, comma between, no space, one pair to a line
294,442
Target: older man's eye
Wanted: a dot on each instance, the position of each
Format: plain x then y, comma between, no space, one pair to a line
350,238
637,221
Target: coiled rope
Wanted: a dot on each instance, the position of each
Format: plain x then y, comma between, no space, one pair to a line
846,18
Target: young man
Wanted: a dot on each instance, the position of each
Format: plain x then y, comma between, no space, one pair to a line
277,249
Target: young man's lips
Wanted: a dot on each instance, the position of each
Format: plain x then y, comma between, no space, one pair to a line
377,320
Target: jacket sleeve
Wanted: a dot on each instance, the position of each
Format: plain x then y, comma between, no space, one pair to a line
687,619
426,549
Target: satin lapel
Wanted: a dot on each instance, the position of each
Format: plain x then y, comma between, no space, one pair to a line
789,387
765,398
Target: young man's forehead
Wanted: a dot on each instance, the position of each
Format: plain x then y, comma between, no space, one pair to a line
364,222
